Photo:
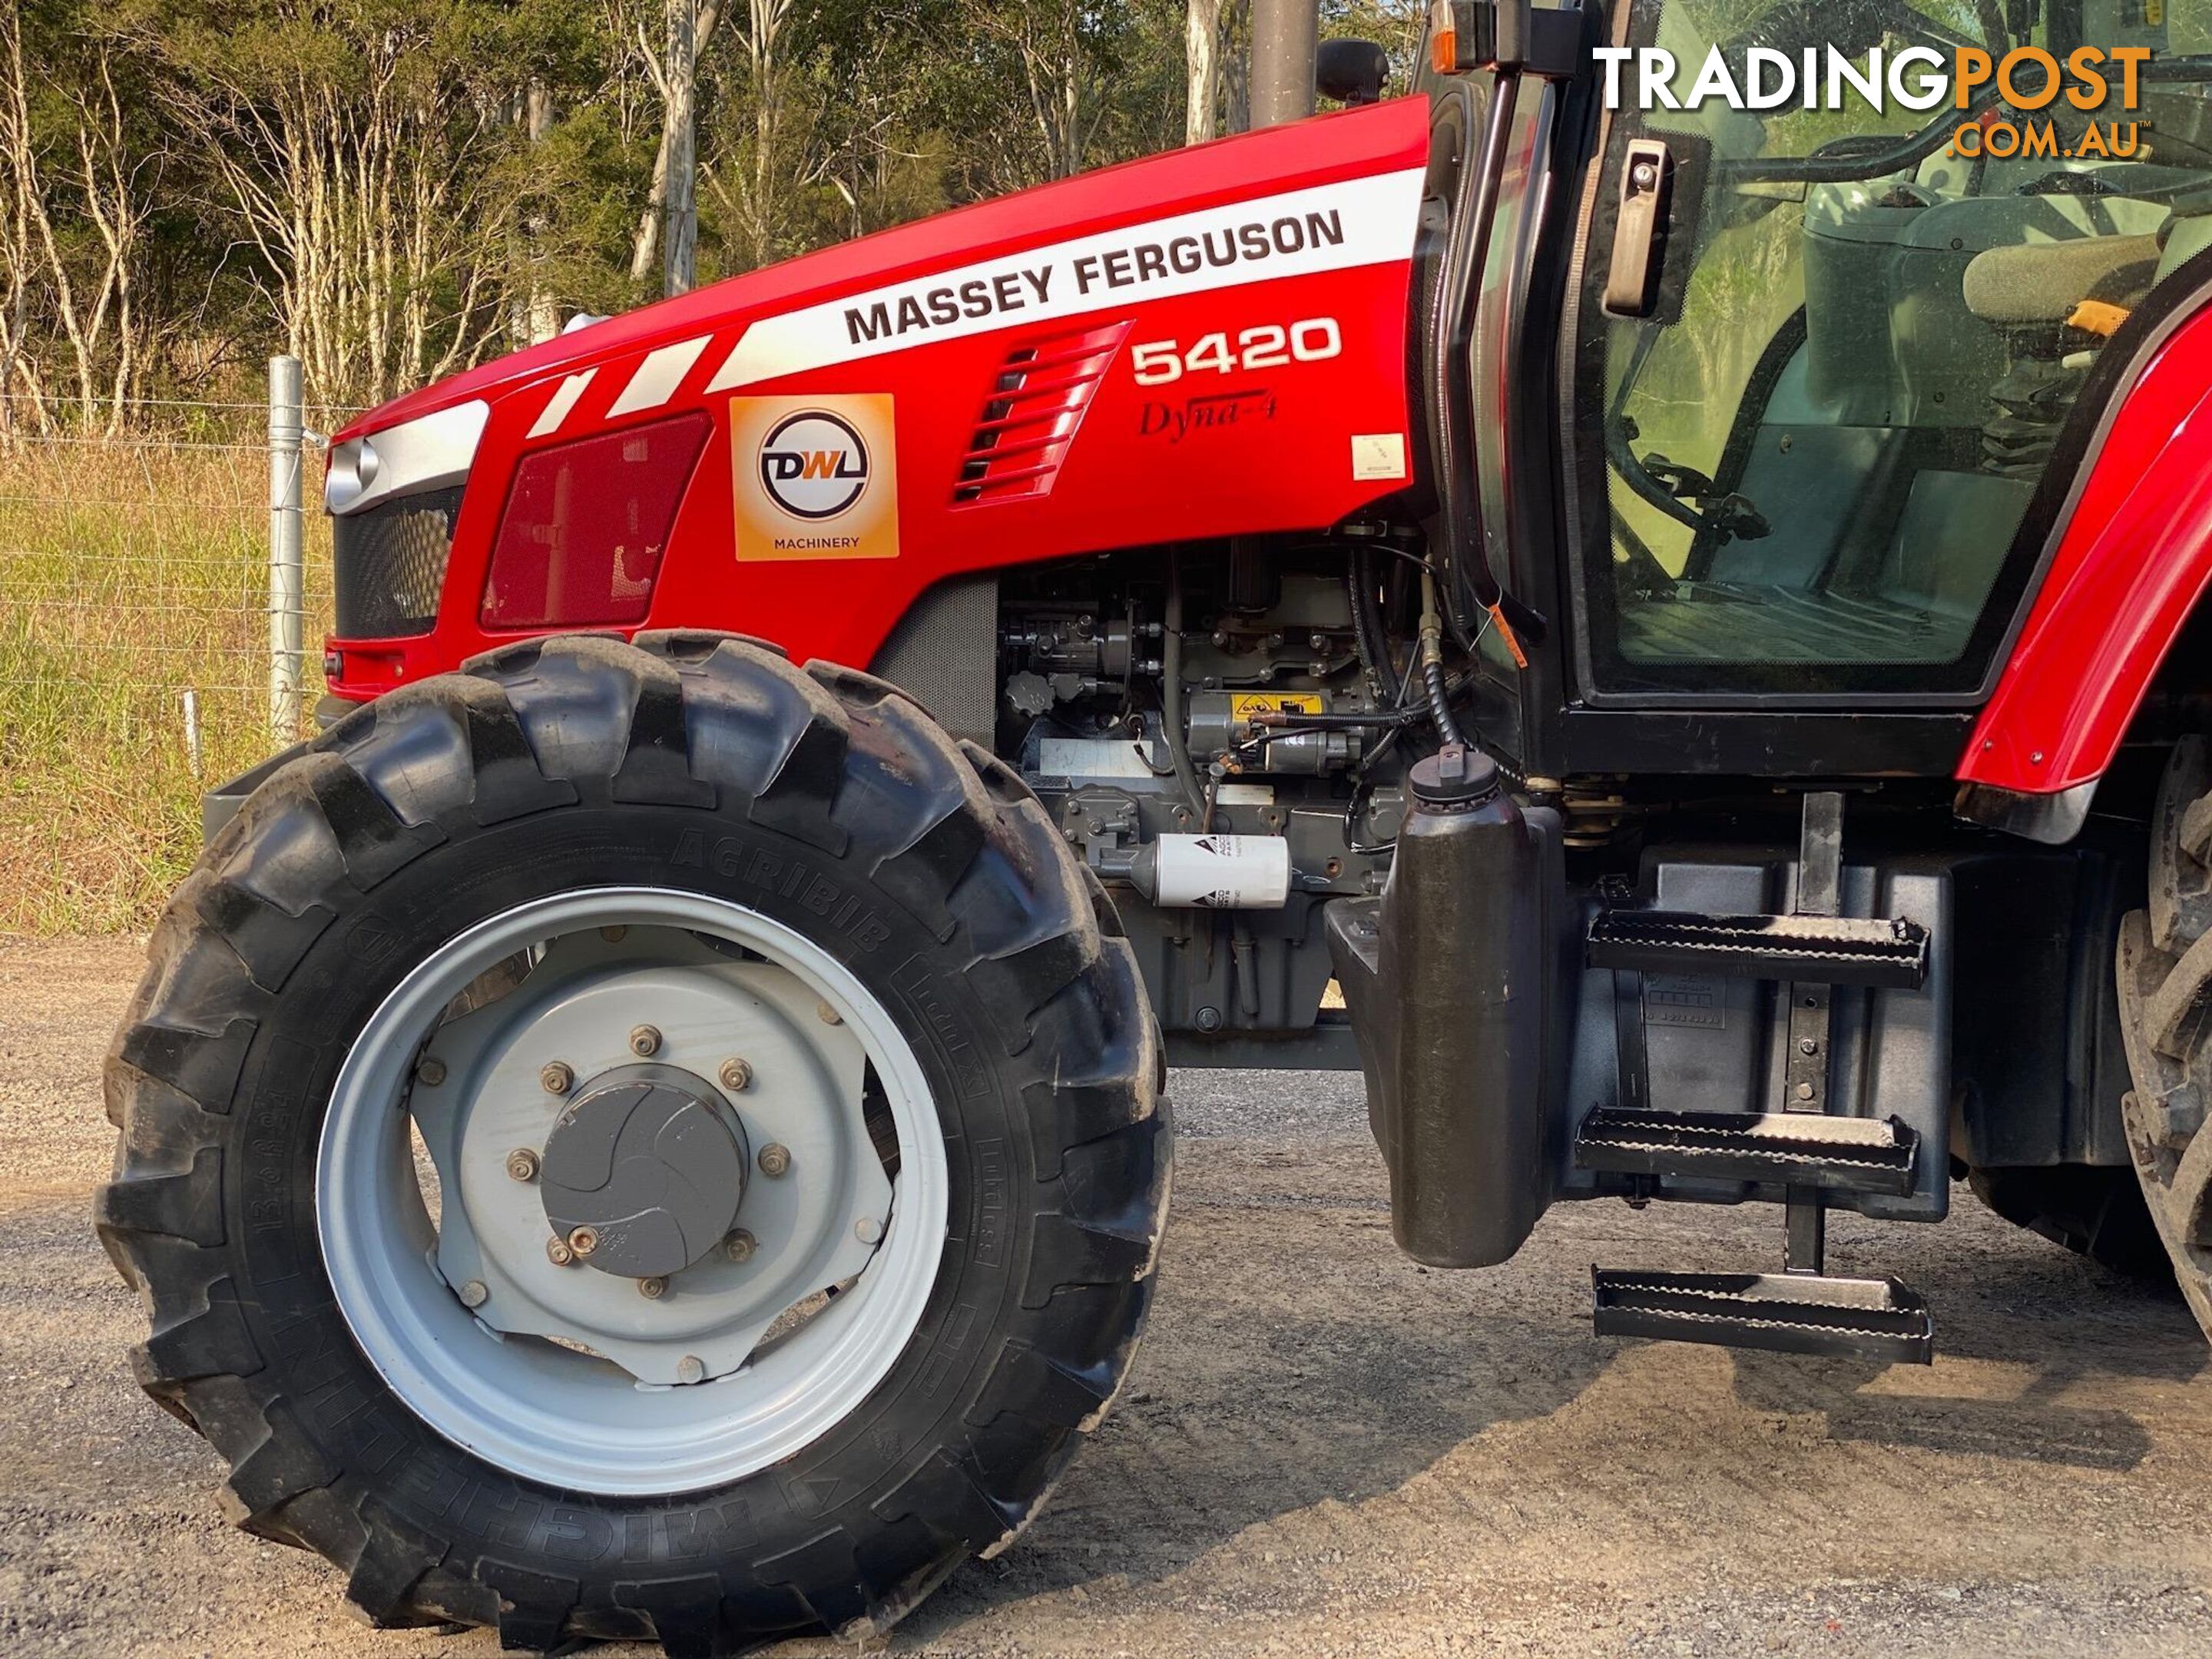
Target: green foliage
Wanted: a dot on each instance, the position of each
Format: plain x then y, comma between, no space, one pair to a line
392,188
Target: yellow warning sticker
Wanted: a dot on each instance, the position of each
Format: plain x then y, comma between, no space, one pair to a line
1243,705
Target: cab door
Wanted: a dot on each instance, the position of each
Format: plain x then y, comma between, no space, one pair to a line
1826,443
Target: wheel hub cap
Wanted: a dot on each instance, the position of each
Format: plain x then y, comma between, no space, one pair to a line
744,1303
652,1161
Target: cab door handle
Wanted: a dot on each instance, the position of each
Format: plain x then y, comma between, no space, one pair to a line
1639,229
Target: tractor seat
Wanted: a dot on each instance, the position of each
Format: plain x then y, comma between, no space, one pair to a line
2043,281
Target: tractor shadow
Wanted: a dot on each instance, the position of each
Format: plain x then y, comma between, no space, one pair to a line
2030,1343
1294,1358
1296,1361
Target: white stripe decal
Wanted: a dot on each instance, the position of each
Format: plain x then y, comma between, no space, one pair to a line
1360,222
563,400
658,376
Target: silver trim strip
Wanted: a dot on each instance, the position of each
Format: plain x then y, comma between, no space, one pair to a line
424,453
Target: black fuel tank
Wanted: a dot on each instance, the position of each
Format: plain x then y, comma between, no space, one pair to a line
1450,980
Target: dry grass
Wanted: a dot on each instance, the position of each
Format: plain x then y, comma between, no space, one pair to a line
129,572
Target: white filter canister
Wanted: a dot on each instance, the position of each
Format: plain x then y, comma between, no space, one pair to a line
1219,872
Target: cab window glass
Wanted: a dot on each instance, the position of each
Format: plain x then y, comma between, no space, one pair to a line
1820,451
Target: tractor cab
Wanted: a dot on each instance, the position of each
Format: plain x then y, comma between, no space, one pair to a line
1777,349
1800,392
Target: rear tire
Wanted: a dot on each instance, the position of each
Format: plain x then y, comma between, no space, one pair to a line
2165,980
824,803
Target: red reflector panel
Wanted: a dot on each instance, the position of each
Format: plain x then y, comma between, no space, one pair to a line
585,525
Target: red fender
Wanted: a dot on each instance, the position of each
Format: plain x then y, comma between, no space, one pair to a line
2132,564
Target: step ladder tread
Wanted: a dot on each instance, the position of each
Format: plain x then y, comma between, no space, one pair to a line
1855,1154
1876,950
1790,1313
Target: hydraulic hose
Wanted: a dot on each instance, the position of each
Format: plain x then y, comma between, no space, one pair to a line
1369,637
1174,727
1432,665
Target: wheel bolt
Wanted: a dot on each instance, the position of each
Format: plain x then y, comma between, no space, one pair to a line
522,1163
556,1078
774,1158
736,1075
431,1072
739,1246
614,935
868,1229
690,1369
558,1252
473,1294
644,1041
584,1241
828,1015
653,1289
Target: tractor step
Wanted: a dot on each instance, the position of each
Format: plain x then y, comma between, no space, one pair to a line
1824,950
1784,1313
1794,1148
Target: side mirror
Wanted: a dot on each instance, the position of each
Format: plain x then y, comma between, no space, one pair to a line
1351,71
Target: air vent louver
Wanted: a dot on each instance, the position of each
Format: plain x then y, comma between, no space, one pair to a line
1030,417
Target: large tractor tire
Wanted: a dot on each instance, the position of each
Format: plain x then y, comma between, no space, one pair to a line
638,1141
2164,975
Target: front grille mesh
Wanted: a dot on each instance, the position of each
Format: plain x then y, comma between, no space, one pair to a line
388,565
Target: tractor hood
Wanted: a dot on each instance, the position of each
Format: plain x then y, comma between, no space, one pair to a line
1209,341
1353,145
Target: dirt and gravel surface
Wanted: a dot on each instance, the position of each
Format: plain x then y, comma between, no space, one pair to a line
1324,1449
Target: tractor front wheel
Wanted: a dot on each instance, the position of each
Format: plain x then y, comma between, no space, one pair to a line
638,1141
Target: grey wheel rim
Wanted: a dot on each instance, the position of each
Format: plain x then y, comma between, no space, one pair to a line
572,1377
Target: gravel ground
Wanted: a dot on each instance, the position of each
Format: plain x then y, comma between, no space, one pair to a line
1324,1450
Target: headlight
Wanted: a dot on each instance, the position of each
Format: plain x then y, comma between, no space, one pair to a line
424,453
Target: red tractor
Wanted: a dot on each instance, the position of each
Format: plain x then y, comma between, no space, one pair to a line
651,1124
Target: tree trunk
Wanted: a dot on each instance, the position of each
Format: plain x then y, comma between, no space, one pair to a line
680,263
543,321
1202,65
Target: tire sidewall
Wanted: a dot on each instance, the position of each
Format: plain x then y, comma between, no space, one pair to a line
340,1400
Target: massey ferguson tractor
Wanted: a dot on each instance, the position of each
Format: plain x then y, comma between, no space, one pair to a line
1669,638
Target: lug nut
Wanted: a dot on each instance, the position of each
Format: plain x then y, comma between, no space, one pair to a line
740,1245
736,1075
774,1158
556,1078
653,1289
690,1369
828,1015
431,1072
473,1294
644,1041
558,1252
583,1241
868,1229
522,1163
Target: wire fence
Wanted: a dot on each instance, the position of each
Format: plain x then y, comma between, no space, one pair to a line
139,562
147,649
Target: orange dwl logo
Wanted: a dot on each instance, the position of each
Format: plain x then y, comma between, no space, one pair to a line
814,464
